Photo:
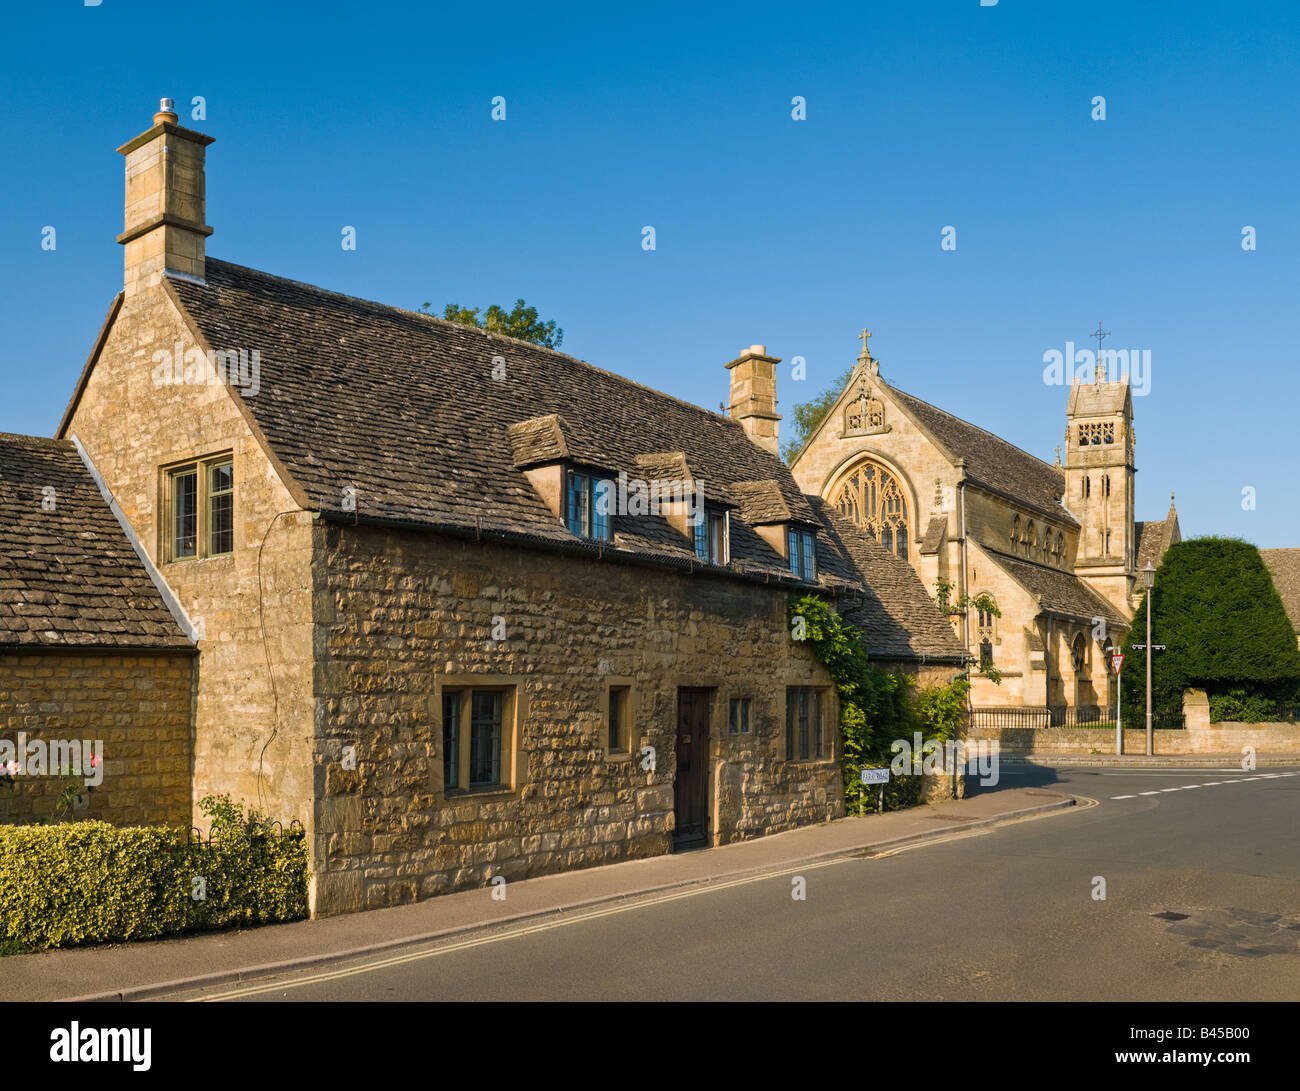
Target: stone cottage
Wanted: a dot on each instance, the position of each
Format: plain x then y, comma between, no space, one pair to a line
463,605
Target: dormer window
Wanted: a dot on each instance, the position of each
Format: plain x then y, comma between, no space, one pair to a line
801,548
711,538
587,505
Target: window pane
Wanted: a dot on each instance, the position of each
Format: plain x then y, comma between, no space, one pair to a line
792,547
599,517
702,540
185,513
221,508
617,718
818,745
809,556
451,740
485,739
744,716
791,697
718,539
803,724
575,503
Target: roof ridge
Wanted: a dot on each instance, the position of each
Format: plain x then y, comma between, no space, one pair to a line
54,441
302,284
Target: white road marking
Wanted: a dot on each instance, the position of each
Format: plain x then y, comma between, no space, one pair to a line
1149,793
1123,797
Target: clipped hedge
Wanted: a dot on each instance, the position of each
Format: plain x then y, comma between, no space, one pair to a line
90,882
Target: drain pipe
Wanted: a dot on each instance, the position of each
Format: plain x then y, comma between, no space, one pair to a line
962,589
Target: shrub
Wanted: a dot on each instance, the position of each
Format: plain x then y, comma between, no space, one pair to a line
90,882
1216,610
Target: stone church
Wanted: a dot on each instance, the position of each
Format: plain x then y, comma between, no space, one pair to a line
1055,546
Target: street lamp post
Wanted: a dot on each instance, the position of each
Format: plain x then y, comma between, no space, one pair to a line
1149,579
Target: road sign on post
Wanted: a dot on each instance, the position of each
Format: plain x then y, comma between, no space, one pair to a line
1117,661
875,776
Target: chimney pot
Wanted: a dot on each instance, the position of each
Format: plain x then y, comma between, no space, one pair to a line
760,350
166,112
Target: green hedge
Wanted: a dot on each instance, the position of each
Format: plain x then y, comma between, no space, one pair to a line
89,882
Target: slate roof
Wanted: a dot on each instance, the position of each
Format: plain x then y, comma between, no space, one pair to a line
886,598
1284,566
1154,537
1059,592
404,408
993,462
70,577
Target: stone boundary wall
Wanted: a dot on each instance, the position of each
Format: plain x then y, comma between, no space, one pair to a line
1222,738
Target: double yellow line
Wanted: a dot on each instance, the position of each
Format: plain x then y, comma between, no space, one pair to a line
513,933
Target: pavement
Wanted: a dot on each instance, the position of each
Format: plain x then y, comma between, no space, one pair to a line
139,971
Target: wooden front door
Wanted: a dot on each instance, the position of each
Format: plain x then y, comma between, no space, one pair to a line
692,781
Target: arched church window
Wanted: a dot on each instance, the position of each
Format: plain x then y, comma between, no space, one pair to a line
1047,545
1078,652
873,498
1087,486
986,654
1030,536
1015,534
1060,551
1105,485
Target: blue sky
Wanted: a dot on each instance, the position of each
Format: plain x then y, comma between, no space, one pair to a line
792,234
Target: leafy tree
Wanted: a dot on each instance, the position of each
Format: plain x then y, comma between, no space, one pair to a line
806,416
875,705
521,322
1225,629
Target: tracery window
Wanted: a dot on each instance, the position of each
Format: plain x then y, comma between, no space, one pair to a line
1078,652
1031,535
1059,556
1015,534
874,499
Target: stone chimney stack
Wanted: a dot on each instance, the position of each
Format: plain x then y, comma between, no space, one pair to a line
753,396
164,228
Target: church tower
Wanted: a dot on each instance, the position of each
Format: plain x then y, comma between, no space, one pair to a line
1099,485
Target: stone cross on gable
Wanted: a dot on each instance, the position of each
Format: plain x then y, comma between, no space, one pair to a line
865,357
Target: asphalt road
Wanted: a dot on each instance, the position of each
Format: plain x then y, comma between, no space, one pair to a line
1202,902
